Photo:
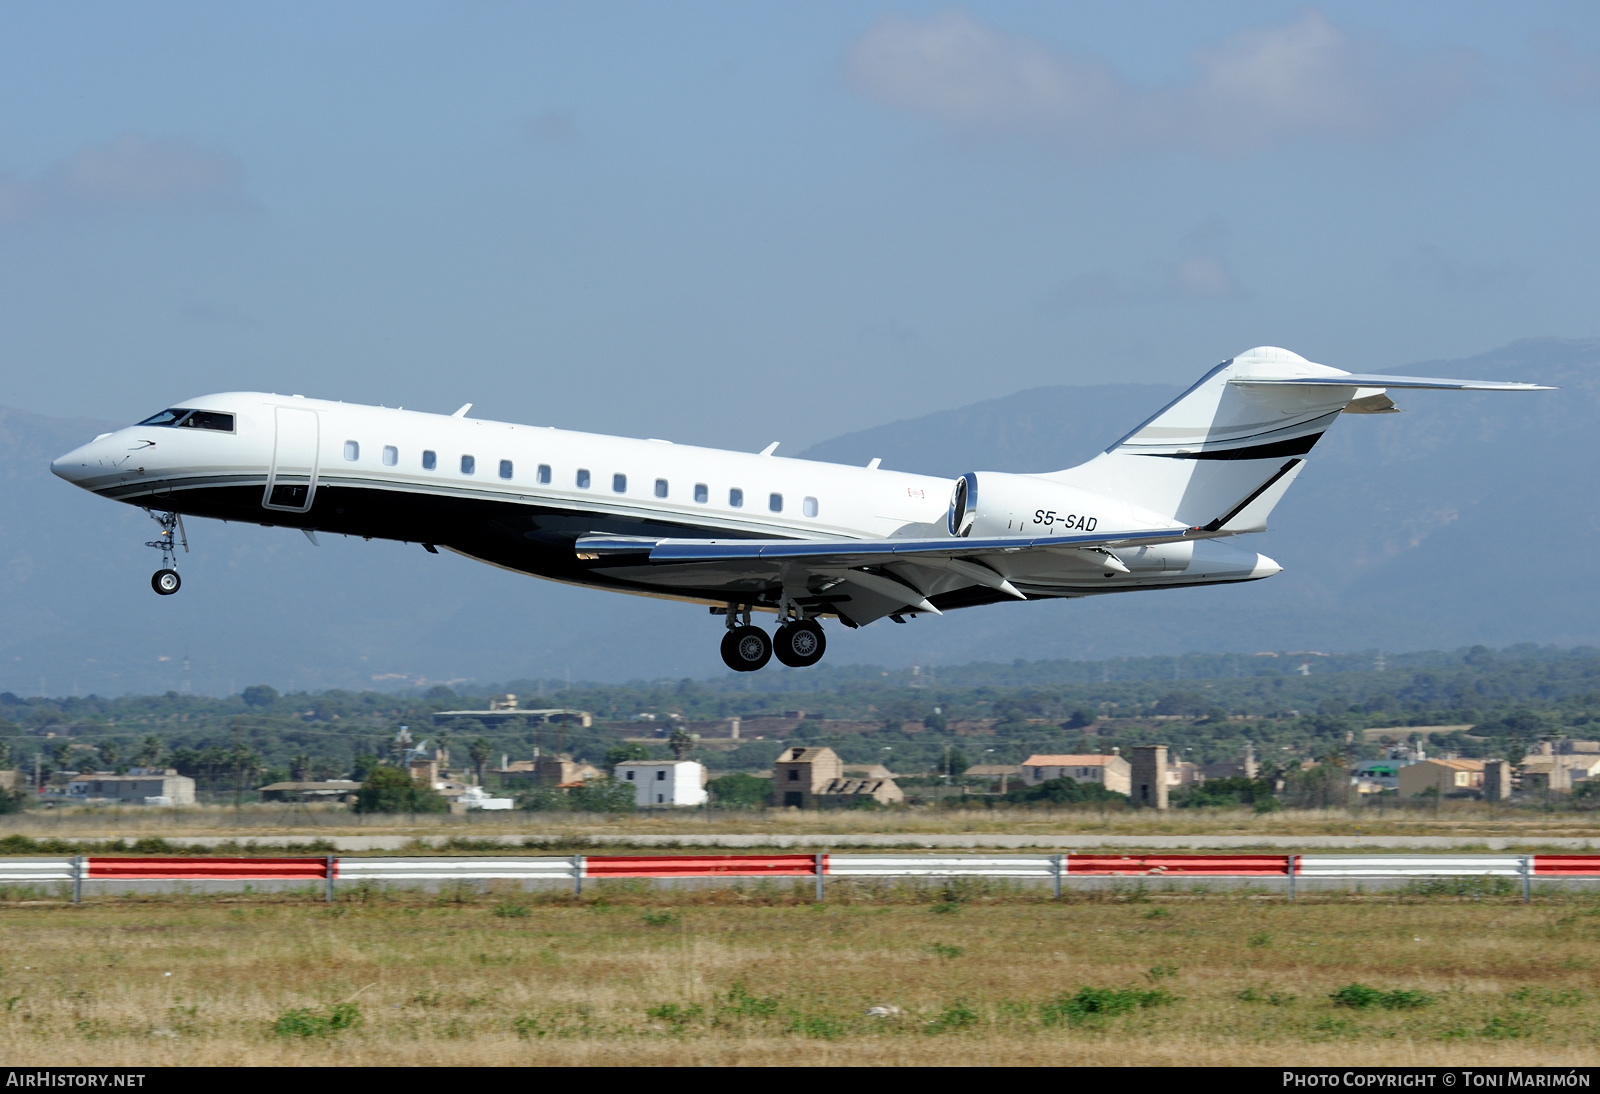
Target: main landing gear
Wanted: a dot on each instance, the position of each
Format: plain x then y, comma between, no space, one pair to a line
798,642
166,580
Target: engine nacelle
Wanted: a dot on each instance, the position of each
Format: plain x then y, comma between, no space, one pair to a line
992,503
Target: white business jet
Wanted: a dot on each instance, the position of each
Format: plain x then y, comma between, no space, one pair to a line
749,532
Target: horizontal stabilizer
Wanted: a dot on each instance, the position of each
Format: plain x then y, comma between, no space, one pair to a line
1357,379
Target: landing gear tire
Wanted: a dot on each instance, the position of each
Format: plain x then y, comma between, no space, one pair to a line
746,649
165,582
800,644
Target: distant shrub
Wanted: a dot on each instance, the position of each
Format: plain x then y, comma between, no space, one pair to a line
1234,791
602,796
1087,1004
259,695
1063,791
1360,997
512,909
595,796
626,753
659,919
391,790
739,791
307,1022
740,1003
675,1015
957,1016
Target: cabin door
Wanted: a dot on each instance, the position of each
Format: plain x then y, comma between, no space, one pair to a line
292,479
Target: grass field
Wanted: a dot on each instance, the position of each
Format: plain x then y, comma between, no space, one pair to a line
973,974
1467,820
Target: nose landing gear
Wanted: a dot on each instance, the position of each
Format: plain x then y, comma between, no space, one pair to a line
166,581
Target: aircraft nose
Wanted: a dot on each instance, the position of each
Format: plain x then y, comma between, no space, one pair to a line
80,463
1265,567
68,467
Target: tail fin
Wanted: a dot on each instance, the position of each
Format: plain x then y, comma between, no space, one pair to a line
1223,453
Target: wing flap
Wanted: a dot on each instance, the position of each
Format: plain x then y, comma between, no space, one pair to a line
850,553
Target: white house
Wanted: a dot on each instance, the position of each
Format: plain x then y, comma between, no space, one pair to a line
475,797
664,782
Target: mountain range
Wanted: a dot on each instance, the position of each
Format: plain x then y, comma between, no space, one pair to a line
1436,528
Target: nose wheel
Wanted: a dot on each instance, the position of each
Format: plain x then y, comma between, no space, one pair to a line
166,581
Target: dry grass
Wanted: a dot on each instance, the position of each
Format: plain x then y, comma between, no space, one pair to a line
758,974
1462,820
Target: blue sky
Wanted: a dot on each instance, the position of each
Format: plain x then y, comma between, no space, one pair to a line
726,223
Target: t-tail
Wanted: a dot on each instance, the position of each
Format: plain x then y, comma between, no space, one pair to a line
1223,454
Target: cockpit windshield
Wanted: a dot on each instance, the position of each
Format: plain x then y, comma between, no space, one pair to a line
192,419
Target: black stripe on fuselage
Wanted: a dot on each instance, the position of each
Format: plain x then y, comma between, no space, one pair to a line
528,537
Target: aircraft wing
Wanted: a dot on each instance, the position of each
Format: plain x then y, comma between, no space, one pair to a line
860,580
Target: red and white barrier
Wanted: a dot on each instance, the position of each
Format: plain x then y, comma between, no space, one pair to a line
576,868
598,866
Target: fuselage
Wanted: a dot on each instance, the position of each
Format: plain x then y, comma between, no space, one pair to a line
518,496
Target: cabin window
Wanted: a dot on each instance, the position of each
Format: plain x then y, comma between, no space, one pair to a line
736,498
583,479
702,493
661,488
775,502
430,460
505,469
469,465
619,484
630,776
661,776
809,507
391,455
352,450
544,473
794,775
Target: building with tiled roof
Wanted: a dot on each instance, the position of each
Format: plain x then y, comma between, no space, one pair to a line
1112,772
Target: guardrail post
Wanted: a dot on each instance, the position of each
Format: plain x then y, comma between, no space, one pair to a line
1056,863
1527,878
577,875
77,879
332,868
1294,865
820,879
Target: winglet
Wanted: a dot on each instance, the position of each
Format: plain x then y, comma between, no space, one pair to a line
770,449
462,413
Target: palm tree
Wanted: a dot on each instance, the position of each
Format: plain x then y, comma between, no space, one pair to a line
480,751
149,753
